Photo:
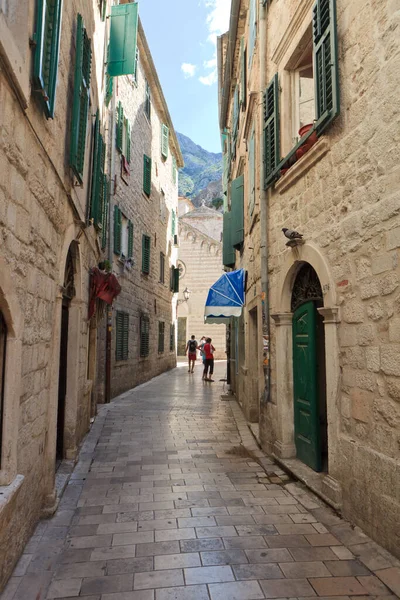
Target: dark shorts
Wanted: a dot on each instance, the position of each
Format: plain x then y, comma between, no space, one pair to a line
209,364
192,356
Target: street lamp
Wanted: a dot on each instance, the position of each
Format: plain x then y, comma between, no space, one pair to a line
186,295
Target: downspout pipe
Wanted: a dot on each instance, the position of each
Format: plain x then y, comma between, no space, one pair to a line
233,25
262,38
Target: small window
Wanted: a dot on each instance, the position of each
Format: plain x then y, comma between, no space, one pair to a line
147,102
122,336
123,133
174,170
163,208
123,234
164,141
144,335
3,342
147,175
302,88
102,8
172,337
162,267
173,223
146,254
161,336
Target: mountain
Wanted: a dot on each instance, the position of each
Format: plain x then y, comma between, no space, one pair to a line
201,169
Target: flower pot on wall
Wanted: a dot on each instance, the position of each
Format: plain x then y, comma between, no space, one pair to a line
313,137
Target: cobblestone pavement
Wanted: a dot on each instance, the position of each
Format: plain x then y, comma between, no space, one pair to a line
172,500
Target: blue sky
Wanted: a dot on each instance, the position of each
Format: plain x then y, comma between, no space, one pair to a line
182,39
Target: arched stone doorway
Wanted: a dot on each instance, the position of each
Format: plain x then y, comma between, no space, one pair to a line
309,370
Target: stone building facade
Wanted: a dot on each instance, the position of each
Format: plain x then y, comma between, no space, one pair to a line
48,245
147,298
200,266
328,402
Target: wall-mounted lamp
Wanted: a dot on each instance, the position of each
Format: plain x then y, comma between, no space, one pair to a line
186,295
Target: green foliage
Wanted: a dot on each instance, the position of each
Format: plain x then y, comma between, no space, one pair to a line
217,203
201,167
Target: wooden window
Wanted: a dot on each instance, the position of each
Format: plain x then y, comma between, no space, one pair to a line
271,128
3,343
80,106
144,335
147,175
122,336
102,8
97,191
243,75
252,172
135,73
105,211
173,222
172,337
174,170
164,141
228,251
117,230
146,242
237,212
252,29
162,267
47,48
161,336
174,279
123,39
147,102
119,126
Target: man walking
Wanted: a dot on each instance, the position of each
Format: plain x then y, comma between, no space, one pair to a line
191,348
208,350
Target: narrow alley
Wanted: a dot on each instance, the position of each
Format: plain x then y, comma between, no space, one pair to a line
171,499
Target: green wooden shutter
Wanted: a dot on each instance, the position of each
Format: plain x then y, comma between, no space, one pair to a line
103,9
252,173
237,214
146,254
243,75
173,222
104,218
123,39
171,337
109,89
135,74
125,337
117,230
47,49
128,140
144,336
228,251
161,336
130,239
80,107
326,73
271,130
175,280
147,175
147,103
164,140
119,126
252,29
174,169
119,326
99,155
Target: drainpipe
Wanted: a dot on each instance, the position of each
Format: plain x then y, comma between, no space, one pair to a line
264,202
107,388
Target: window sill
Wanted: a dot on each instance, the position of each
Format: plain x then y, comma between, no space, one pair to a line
303,165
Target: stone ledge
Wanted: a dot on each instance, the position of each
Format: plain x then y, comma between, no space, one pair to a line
303,165
8,492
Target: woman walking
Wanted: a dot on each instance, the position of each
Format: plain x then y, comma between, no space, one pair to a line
208,350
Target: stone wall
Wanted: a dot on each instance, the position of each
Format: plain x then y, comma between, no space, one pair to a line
143,294
41,213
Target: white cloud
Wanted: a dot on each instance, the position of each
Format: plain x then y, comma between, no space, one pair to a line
217,24
188,70
209,79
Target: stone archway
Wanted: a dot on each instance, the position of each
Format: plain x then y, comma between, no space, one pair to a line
284,446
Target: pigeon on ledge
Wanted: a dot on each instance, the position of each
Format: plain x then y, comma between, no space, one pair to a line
291,234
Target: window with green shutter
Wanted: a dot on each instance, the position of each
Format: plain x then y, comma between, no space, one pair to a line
228,251
47,48
164,141
127,144
252,172
80,106
104,212
130,239
243,75
174,279
237,214
173,222
109,84
144,335
146,244
252,30
121,335
271,130
326,74
136,71
123,39
147,101
235,118
174,170
99,157
119,126
147,175
162,267
171,337
161,336
117,230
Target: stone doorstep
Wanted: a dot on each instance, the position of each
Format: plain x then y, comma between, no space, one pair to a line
314,482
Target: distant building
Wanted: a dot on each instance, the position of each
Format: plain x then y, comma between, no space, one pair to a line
200,265
185,205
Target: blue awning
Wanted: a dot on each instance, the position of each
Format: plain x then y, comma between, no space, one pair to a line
225,298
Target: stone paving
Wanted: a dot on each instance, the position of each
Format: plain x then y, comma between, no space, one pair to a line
173,500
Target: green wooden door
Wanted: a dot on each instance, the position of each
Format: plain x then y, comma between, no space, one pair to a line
305,386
